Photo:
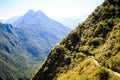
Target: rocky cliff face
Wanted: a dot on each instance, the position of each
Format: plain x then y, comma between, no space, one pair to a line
89,52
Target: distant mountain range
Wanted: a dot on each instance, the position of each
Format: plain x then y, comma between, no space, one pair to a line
69,21
26,42
12,20
72,22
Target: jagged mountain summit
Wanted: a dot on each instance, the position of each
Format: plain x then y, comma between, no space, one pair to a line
26,42
89,52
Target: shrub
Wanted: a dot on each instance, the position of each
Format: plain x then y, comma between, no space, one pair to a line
103,73
96,42
115,65
102,29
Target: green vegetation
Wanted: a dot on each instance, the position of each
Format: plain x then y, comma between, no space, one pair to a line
103,74
98,36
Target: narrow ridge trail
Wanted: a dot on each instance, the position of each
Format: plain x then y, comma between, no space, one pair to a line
97,63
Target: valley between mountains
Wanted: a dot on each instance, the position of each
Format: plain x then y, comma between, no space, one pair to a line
25,43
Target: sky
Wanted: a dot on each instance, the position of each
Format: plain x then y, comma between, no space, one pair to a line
52,8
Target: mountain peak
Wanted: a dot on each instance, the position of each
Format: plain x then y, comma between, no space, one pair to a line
41,14
39,11
29,15
31,11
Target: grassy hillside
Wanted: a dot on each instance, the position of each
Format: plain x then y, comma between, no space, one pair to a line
89,52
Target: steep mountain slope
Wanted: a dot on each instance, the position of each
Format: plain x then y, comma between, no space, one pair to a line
14,60
12,20
90,52
26,44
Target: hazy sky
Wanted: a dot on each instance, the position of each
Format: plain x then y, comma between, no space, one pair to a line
53,8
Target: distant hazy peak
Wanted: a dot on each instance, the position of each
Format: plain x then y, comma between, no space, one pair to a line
30,14
31,11
39,11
